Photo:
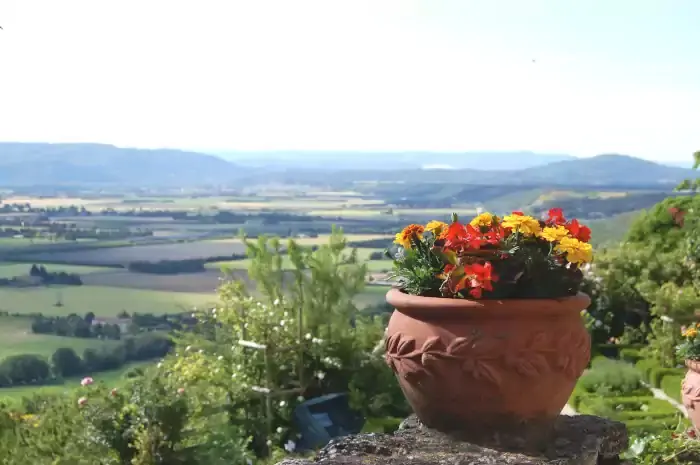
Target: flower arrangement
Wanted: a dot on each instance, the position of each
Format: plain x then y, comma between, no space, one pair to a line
516,256
689,348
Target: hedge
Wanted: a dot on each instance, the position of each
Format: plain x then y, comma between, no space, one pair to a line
645,366
671,385
614,350
632,404
656,376
631,355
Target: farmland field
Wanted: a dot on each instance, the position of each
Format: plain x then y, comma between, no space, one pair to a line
16,338
103,301
125,255
204,282
362,255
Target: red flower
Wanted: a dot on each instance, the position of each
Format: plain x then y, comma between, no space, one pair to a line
519,213
495,235
479,278
579,231
460,237
555,216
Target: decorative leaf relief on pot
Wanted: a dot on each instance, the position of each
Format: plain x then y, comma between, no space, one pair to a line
484,358
691,393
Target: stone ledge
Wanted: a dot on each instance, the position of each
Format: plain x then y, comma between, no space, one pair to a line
577,440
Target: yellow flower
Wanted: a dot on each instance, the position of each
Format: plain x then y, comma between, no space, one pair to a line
576,251
436,227
484,219
526,225
692,332
554,233
404,237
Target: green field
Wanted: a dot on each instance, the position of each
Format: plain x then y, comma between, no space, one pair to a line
103,301
372,295
16,338
113,378
362,255
9,270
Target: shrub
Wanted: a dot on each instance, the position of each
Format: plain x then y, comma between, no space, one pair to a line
612,377
671,385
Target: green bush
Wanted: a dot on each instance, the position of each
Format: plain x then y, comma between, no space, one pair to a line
671,385
631,355
613,406
645,366
657,375
645,427
612,378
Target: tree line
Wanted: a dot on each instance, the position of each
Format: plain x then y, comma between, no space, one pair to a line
28,369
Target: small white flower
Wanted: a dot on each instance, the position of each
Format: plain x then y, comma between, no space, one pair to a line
279,430
220,357
308,336
290,446
160,365
300,399
283,403
269,443
286,314
598,323
282,323
320,375
276,302
201,351
187,349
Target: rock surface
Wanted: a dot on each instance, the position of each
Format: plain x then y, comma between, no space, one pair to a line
577,440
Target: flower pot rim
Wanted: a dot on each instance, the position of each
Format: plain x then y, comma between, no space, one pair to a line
425,307
693,365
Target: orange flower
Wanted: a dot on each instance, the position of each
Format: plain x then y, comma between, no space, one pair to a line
409,233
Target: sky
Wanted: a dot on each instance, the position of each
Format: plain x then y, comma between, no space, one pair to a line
557,76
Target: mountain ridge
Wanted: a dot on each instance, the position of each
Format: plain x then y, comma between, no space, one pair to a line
27,164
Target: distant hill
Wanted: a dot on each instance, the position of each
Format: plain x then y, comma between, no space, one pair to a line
608,170
24,164
599,171
319,160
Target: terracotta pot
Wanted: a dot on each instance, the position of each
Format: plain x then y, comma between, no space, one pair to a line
487,367
690,392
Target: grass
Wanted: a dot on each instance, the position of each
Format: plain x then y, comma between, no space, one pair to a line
112,378
16,338
103,301
9,270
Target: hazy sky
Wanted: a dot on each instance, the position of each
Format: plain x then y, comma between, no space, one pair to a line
609,75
